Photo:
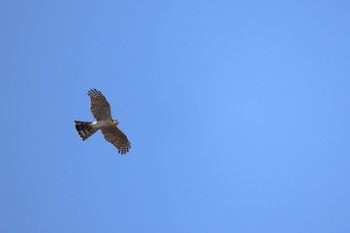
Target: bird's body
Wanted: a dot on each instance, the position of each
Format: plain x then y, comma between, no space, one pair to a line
102,124
101,110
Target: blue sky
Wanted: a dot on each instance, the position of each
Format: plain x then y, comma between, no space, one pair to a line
237,111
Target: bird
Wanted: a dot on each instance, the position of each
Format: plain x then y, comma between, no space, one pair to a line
101,111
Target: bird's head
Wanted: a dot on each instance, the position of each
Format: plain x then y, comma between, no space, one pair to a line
116,122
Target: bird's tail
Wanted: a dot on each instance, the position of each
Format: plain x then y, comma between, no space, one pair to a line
84,129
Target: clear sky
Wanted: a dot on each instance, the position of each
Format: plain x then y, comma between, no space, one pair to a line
237,111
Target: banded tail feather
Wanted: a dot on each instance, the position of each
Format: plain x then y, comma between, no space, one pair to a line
84,129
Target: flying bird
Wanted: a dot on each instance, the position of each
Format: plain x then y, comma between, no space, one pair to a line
102,112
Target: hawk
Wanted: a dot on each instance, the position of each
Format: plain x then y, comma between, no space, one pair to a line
102,112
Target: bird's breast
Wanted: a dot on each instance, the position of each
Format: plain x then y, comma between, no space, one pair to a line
101,124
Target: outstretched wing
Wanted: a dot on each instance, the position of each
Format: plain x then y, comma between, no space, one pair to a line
99,106
117,138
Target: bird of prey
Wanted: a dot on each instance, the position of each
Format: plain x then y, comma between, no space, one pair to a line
102,112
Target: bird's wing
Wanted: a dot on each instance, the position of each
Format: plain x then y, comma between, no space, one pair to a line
117,138
99,106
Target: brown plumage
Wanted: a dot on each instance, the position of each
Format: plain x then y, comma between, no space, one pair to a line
102,113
